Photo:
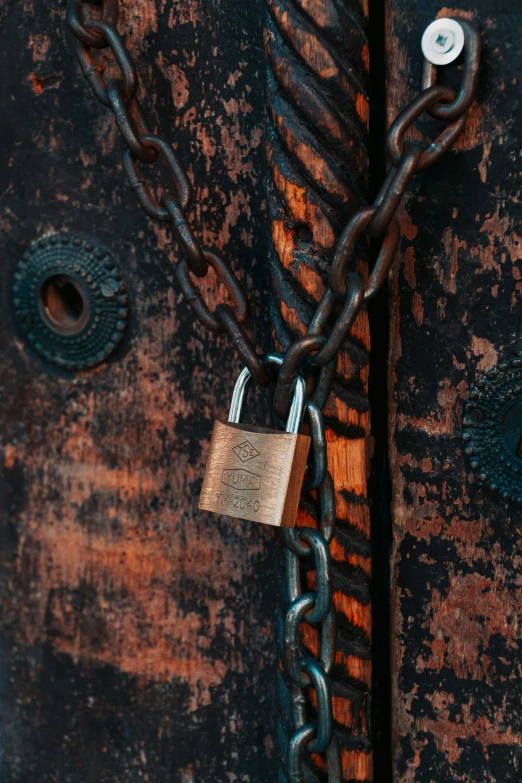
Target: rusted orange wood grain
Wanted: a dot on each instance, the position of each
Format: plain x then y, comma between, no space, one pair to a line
318,166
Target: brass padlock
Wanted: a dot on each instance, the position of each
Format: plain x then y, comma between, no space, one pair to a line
253,472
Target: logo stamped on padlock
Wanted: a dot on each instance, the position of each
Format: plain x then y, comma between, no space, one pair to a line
245,451
268,490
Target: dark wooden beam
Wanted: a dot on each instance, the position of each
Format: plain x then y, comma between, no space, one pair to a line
137,634
456,314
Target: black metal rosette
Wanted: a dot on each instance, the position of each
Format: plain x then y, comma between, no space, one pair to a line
70,302
493,429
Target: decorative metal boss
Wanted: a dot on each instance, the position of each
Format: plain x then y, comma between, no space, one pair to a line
493,429
70,301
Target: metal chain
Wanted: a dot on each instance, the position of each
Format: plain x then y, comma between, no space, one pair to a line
145,148
314,355
344,298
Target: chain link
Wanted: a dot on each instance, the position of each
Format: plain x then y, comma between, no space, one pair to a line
146,149
468,89
342,301
329,326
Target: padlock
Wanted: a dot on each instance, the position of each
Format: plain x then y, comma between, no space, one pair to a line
253,472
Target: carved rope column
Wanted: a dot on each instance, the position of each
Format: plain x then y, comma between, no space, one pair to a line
317,68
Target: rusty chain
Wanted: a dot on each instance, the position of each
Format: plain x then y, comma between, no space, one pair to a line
314,354
145,148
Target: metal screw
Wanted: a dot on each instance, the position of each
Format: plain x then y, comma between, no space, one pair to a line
443,41
109,287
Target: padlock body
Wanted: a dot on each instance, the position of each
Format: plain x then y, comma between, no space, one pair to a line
254,473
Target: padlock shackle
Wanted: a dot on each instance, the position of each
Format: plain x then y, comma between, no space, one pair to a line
297,408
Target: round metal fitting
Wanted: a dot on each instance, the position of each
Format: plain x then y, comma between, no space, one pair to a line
493,429
69,301
442,41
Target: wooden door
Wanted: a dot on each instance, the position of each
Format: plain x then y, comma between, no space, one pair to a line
455,588
137,631
138,635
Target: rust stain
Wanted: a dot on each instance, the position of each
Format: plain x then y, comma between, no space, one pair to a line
136,21
418,308
409,266
182,12
483,166
362,108
484,348
444,423
407,228
39,45
179,83
447,272
41,83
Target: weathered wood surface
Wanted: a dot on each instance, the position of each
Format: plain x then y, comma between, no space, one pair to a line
456,313
137,633
317,56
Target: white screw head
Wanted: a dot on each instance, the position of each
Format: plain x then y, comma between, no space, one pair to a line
442,41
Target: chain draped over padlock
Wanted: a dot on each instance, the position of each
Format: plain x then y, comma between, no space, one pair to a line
314,354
